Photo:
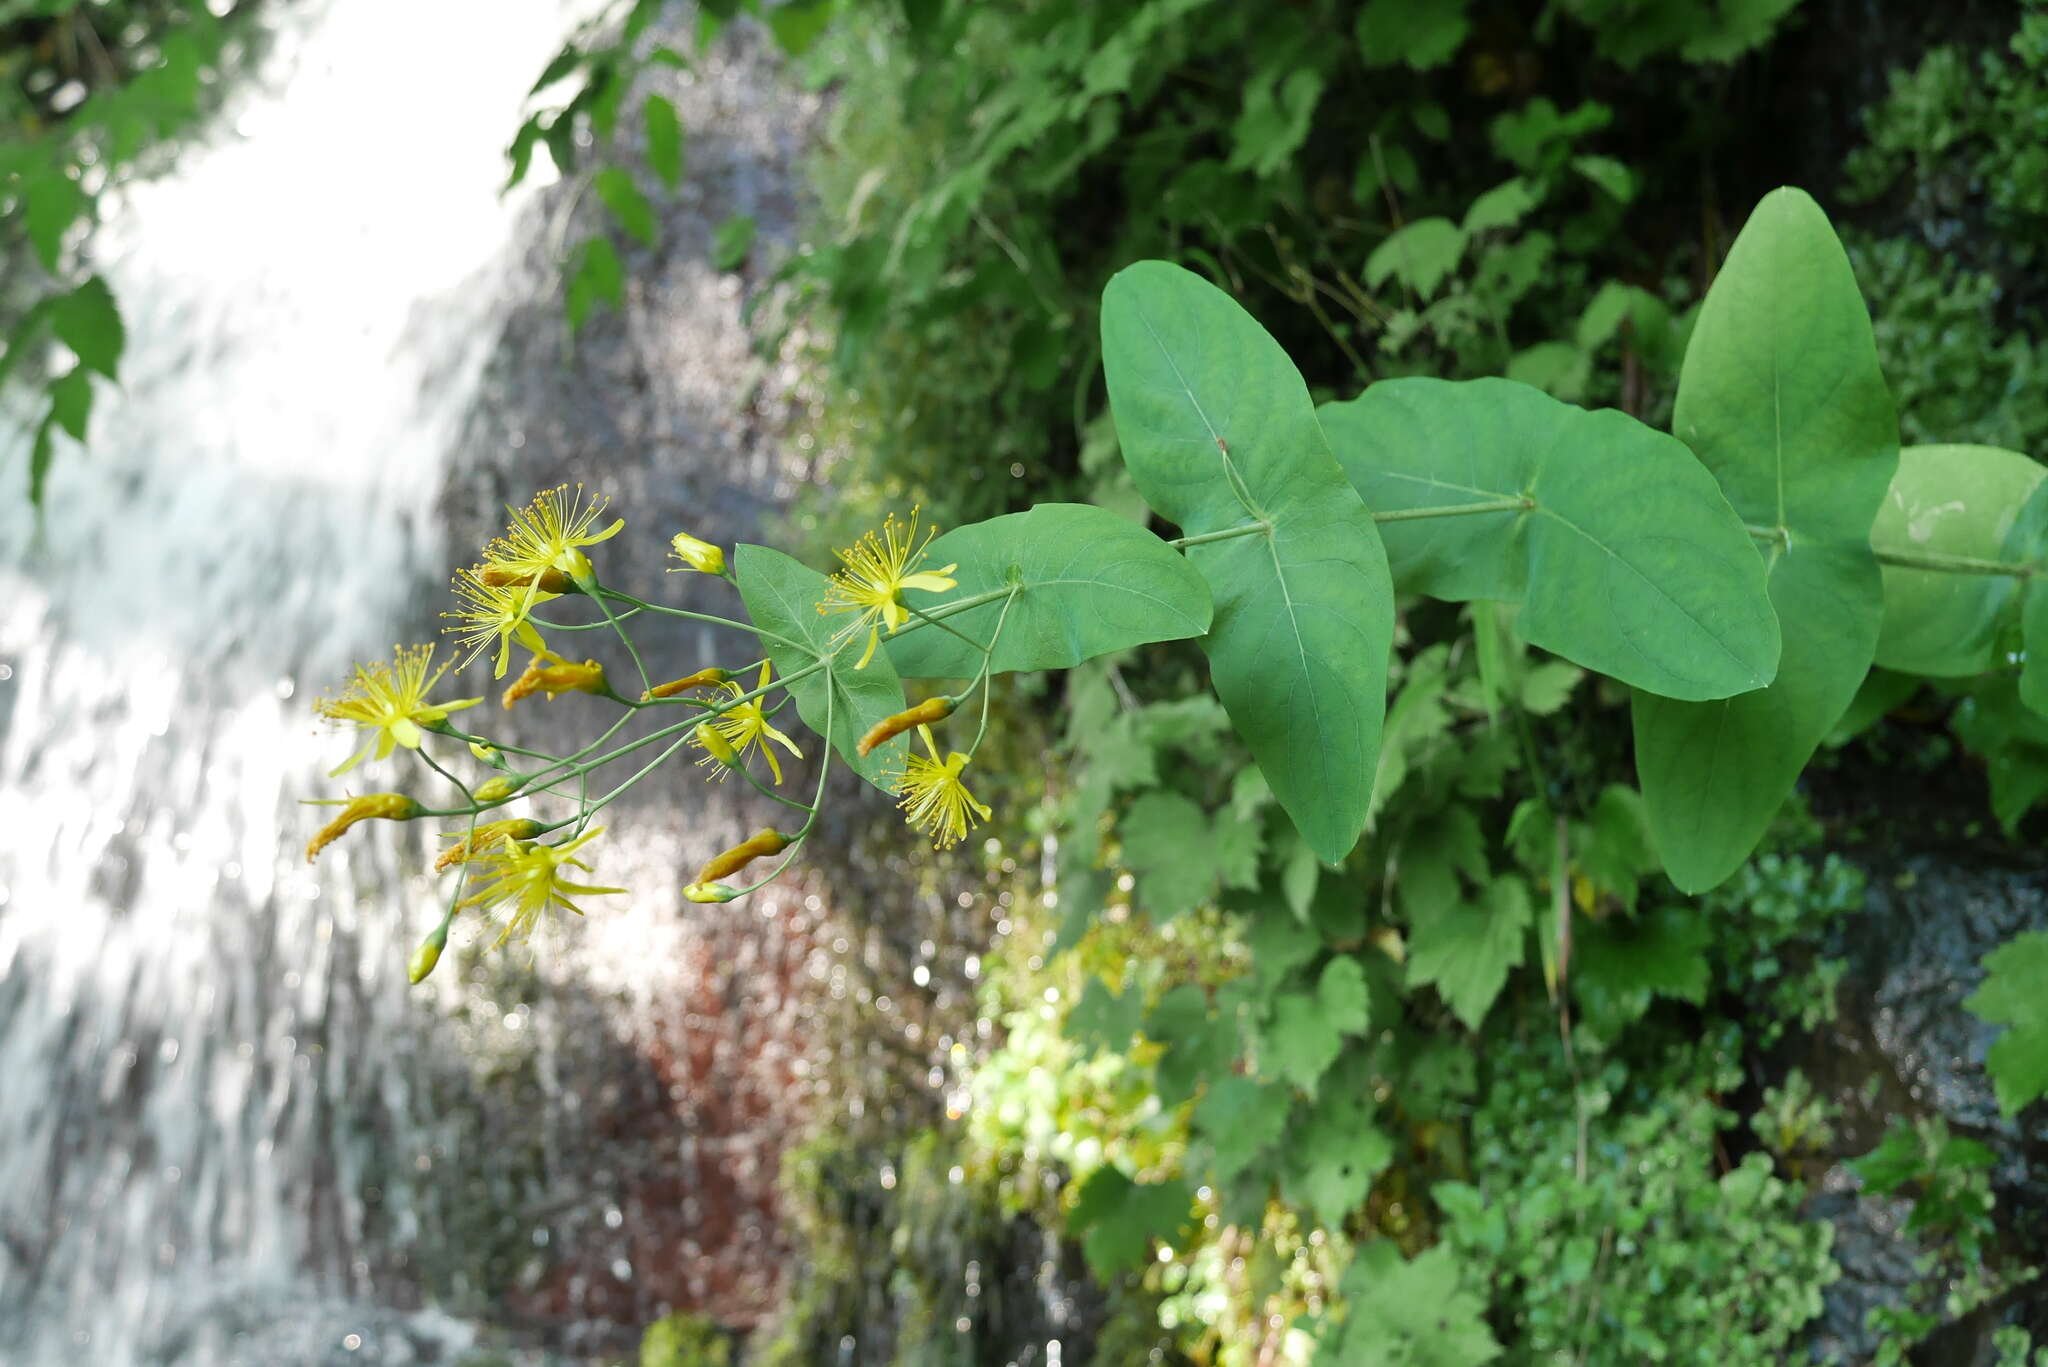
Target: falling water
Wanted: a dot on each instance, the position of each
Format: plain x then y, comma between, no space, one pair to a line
205,1045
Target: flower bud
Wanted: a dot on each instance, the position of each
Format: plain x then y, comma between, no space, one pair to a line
549,580
551,674
887,729
710,892
701,556
499,788
489,754
388,806
762,843
717,745
703,678
428,954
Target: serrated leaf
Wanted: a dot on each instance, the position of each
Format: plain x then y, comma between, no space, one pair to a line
87,320
1166,844
1104,1021
1503,206
664,140
1218,430
1300,1042
1421,33
1781,397
1413,1314
1279,107
782,597
1620,963
1466,950
2015,994
1200,1043
1629,561
1121,1218
630,207
1342,992
1240,1118
71,402
1336,1152
1547,686
1419,255
1949,500
1610,175
1086,583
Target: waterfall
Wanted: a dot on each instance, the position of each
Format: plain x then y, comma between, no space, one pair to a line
207,1048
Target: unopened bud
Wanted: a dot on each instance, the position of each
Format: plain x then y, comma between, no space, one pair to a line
716,745
549,673
762,843
388,806
489,754
703,678
549,580
428,954
710,892
701,556
499,788
887,729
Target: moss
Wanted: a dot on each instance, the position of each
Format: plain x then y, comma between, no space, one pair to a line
685,1341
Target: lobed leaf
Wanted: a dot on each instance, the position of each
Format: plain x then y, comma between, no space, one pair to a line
1781,397
1219,432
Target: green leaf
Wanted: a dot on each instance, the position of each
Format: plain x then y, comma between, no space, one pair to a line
87,321
1949,500
782,597
1466,949
1610,175
1166,844
620,195
1342,992
41,453
1337,1151
71,401
1087,583
1501,207
1300,1042
1104,1021
2015,975
1419,255
1279,106
1781,397
1200,1043
1559,369
1413,1314
797,24
664,140
733,242
1422,33
1121,1218
1630,560
1619,963
599,278
1240,1118
51,203
1219,432
2027,544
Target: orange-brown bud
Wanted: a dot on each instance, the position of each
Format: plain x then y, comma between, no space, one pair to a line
550,580
887,729
703,678
762,843
551,674
389,806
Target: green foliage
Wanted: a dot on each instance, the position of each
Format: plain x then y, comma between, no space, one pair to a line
1605,1233
684,1340
1086,583
1645,572
1781,398
1220,435
733,242
1418,1313
2012,996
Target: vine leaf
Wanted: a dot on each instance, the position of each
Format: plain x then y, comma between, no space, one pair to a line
1466,948
782,597
1781,397
1121,1218
1088,582
2011,996
1419,1313
1949,500
1219,432
1337,1150
1627,560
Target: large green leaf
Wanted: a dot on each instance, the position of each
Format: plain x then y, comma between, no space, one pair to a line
1627,558
1219,432
1781,397
2027,545
782,596
1949,500
1088,582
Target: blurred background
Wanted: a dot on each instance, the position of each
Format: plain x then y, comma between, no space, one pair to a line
301,294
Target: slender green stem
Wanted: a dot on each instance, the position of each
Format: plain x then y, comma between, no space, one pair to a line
1227,534
581,626
705,617
817,805
1497,505
606,608
1953,564
988,661
941,625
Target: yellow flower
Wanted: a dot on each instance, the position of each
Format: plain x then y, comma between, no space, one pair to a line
878,569
391,701
937,801
742,725
528,879
551,674
389,806
469,845
701,556
548,534
494,612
